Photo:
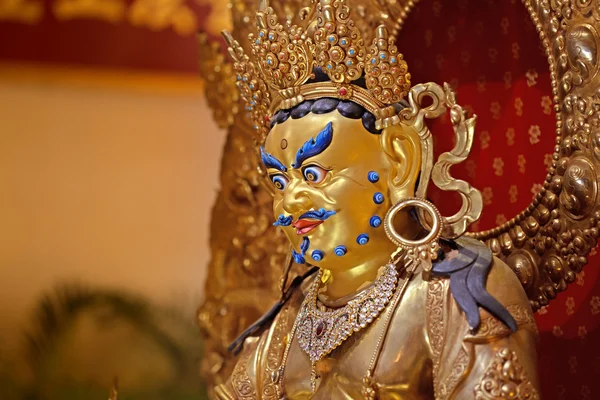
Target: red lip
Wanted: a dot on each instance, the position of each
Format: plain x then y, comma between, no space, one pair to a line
303,226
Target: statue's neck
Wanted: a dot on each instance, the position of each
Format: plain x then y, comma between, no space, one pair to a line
346,282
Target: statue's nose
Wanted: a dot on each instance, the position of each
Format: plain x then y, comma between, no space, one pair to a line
296,198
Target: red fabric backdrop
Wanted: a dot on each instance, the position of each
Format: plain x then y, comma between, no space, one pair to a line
490,53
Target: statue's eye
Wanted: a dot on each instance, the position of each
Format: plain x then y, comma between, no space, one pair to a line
280,181
314,173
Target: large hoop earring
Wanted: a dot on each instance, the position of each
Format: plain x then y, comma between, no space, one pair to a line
424,250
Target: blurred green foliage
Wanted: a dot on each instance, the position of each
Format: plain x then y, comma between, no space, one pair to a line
83,338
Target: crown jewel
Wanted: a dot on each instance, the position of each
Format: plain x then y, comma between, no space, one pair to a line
278,73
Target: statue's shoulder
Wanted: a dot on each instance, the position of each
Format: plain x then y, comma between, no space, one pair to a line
504,285
482,286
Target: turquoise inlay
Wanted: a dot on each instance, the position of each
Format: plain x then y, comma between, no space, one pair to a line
317,255
375,221
362,239
340,250
373,176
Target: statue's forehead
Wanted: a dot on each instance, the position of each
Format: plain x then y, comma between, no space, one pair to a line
286,138
292,133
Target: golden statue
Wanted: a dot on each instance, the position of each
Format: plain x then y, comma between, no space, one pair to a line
390,299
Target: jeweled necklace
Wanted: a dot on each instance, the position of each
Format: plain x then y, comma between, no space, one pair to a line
322,329
390,275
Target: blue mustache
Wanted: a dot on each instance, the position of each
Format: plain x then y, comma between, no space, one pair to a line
283,220
320,214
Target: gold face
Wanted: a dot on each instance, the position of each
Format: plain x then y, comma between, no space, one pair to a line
334,181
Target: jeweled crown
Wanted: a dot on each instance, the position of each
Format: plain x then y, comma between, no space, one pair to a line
277,74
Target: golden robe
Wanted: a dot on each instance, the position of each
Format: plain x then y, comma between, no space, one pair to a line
429,352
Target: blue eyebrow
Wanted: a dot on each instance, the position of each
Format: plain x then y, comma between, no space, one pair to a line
270,161
314,146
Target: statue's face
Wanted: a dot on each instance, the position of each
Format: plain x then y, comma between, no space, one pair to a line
330,177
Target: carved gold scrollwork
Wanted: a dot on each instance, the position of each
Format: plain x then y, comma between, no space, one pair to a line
443,99
492,329
505,378
580,188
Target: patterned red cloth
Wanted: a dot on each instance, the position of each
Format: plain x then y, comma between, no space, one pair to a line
489,51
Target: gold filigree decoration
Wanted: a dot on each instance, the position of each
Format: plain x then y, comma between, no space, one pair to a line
240,381
285,58
435,325
251,85
436,331
505,378
340,47
549,242
387,73
492,328
460,368
275,355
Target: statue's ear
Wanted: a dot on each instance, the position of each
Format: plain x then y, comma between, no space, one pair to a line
402,145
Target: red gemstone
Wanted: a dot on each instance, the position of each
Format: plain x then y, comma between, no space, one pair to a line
320,328
343,91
